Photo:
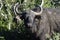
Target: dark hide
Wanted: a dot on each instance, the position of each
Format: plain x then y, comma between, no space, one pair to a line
42,25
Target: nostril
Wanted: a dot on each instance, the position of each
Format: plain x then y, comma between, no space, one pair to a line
29,25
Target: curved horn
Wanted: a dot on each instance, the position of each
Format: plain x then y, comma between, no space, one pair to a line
1,4
39,13
41,6
16,7
42,3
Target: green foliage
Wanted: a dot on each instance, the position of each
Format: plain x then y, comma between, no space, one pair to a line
55,3
56,36
2,38
47,4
